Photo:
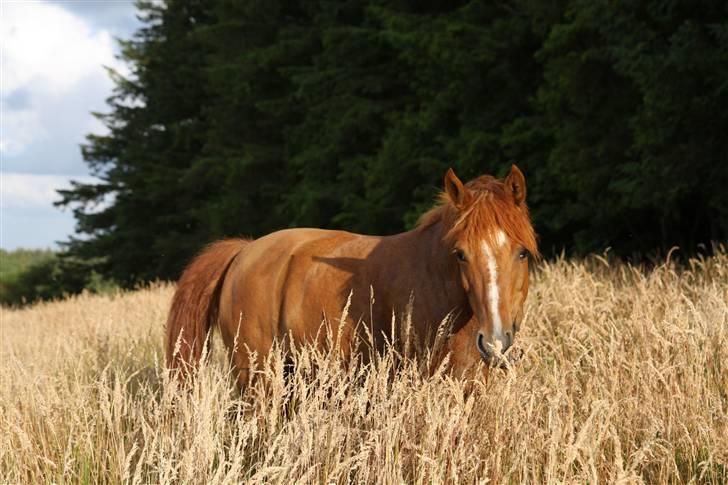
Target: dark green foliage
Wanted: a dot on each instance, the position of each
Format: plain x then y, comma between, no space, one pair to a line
630,126
241,118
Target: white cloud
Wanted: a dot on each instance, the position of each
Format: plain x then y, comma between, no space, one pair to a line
43,43
51,78
26,191
19,130
47,53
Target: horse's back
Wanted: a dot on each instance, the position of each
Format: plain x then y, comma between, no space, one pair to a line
287,282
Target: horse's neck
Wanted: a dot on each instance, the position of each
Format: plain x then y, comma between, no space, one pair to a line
433,277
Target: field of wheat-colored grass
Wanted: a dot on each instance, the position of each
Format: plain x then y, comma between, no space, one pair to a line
624,379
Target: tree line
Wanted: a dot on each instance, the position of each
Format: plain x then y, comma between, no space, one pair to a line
241,118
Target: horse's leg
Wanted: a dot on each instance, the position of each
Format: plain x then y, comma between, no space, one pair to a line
245,351
241,369
248,362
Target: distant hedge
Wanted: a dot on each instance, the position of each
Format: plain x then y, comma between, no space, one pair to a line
27,276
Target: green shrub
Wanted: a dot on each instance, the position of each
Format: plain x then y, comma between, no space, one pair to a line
45,275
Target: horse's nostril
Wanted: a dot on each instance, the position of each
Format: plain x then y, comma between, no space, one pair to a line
509,340
480,343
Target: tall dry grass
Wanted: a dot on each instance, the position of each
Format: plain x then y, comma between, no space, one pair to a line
624,379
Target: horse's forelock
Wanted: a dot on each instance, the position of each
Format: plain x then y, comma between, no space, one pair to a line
489,210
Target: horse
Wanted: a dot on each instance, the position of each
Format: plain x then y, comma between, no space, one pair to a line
467,260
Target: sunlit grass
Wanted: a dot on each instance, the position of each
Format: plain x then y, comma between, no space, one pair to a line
624,378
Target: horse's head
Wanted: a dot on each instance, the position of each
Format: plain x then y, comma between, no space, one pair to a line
491,238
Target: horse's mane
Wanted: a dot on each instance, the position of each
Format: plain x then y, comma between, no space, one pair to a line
491,207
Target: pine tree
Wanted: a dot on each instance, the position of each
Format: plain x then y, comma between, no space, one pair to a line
241,118
140,219
253,46
627,132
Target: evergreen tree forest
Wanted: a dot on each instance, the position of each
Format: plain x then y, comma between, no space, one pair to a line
240,118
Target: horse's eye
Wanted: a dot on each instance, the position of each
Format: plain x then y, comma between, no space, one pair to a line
523,254
460,255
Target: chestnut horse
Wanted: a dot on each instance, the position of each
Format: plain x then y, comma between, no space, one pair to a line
466,259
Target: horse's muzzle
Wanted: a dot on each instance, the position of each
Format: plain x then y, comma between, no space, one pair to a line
497,358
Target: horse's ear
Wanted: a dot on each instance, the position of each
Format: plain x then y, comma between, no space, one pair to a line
455,190
515,183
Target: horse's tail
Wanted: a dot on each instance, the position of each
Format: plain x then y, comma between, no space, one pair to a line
195,304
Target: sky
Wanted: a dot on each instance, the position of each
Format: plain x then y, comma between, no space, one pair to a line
52,77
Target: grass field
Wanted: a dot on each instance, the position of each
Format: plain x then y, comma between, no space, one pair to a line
624,379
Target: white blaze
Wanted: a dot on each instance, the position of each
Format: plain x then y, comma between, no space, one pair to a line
493,296
500,238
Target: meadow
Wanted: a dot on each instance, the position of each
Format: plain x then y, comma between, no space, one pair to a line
624,379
